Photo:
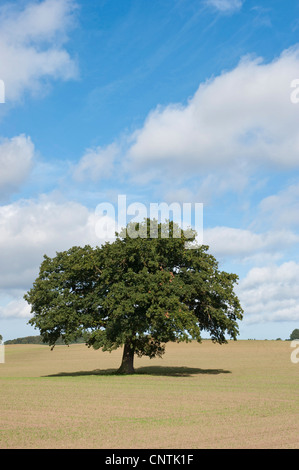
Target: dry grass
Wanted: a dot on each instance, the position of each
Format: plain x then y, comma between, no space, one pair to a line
240,395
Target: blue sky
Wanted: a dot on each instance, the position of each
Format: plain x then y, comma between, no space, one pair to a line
173,101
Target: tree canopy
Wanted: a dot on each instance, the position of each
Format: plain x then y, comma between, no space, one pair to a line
138,292
294,334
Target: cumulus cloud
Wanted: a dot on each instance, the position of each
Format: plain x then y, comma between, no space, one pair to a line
16,159
241,118
96,164
226,5
281,209
245,245
270,293
29,229
32,46
15,309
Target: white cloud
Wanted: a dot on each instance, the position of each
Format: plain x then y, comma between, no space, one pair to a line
97,163
243,118
31,46
246,245
226,5
16,159
37,21
29,229
281,209
270,293
15,309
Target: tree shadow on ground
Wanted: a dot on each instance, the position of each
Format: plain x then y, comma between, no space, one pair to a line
178,371
150,370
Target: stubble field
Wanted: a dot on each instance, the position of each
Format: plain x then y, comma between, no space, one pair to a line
199,396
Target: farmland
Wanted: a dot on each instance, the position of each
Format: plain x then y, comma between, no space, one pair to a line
240,395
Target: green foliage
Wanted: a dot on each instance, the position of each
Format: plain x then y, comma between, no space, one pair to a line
141,290
294,334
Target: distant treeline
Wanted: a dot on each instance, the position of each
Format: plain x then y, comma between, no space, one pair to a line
36,340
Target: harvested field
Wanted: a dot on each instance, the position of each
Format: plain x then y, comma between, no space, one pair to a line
240,395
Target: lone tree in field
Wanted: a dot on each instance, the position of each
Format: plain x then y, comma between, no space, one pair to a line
140,291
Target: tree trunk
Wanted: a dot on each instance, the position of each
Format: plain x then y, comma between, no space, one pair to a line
127,360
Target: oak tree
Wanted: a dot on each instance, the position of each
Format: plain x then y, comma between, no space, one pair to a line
140,292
